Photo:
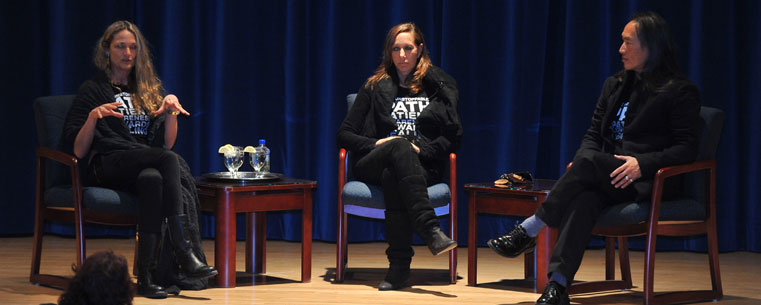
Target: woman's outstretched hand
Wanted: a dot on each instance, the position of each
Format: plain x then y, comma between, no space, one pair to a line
107,109
172,104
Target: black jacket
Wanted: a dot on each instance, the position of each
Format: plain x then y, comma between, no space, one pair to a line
663,130
438,126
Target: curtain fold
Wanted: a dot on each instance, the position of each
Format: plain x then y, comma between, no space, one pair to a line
529,74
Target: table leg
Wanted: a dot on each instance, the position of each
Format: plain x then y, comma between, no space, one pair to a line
529,272
256,242
224,240
472,242
545,243
306,238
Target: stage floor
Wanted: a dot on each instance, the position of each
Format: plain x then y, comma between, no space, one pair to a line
740,272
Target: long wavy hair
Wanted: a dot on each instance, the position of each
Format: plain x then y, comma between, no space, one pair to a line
103,279
387,68
147,95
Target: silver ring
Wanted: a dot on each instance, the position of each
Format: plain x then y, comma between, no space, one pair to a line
627,177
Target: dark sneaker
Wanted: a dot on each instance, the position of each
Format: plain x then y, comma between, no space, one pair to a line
554,294
513,243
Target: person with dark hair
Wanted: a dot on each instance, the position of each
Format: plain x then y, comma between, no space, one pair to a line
103,279
125,125
647,117
401,130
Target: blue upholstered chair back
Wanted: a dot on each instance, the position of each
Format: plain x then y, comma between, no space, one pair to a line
49,116
691,204
712,123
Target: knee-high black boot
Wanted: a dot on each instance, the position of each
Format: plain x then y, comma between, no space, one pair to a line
147,258
414,194
399,251
190,265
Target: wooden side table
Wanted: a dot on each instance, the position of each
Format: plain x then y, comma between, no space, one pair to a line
488,198
225,198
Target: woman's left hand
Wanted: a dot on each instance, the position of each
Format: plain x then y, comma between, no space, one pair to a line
624,175
172,104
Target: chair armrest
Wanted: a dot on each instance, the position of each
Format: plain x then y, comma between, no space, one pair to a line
341,169
65,159
670,171
58,156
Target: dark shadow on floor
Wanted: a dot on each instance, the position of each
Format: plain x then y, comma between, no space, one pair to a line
250,279
371,277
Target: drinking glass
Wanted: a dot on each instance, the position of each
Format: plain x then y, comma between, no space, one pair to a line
258,161
234,160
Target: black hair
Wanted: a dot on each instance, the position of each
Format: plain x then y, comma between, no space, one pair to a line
661,66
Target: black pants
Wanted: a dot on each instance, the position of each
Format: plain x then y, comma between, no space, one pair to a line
396,167
574,204
153,173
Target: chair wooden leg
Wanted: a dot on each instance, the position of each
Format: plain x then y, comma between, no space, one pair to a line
713,260
610,258
37,247
341,253
453,252
623,255
649,273
134,258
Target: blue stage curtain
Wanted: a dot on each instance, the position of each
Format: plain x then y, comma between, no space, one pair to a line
529,74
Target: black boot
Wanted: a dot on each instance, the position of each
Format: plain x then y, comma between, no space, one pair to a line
147,249
190,265
414,193
399,251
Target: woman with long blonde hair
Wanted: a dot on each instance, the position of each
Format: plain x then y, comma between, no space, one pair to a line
124,124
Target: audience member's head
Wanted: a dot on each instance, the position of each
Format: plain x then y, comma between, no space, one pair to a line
103,279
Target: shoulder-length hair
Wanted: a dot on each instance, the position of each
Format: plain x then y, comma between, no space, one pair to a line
661,64
388,69
143,80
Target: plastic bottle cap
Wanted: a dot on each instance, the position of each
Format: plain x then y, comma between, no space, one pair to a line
261,141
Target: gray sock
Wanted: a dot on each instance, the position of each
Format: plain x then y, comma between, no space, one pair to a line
559,278
533,225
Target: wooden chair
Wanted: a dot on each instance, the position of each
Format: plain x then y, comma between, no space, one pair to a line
60,195
360,199
692,213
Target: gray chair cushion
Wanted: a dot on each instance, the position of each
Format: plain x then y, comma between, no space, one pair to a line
94,198
638,212
366,200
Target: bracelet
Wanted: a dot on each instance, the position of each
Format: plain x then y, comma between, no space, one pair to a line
174,113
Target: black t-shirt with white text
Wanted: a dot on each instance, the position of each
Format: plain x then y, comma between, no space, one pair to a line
137,122
405,110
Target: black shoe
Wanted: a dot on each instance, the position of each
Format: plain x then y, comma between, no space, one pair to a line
513,243
438,242
554,294
396,278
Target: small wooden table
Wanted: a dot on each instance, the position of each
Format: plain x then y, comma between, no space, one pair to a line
225,198
488,198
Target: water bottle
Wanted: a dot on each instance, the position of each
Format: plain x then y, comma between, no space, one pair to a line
262,159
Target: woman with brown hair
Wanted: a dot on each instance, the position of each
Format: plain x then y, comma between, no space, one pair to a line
103,279
401,130
122,122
